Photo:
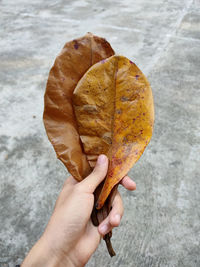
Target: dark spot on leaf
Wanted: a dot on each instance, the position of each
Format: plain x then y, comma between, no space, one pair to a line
116,161
111,171
125,140
118,111
76,45
124,98
137,76
131,62
136,152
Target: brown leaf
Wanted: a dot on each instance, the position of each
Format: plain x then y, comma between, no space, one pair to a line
114,109
74,60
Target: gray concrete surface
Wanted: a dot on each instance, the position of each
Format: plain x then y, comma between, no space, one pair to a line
161,224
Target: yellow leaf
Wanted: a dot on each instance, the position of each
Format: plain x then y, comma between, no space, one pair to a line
114,110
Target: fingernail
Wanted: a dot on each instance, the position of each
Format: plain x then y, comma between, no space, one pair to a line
117,217
101,159
103,229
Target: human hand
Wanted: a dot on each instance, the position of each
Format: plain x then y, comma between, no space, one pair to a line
70,237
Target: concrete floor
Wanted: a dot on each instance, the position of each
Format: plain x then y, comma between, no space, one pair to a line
161,224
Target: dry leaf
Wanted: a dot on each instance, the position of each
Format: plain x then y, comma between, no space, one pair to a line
114,110
74,60
110,96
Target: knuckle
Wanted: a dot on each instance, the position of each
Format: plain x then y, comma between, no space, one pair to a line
78,187
112,223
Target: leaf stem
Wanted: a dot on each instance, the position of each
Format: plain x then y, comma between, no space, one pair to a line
107,238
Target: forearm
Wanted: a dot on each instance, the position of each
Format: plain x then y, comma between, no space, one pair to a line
40,255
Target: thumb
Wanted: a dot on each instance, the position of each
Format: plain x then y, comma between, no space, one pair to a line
91,182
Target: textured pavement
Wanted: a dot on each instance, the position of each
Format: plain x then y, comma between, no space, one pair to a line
161,224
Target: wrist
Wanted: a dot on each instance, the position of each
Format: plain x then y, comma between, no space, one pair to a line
42,255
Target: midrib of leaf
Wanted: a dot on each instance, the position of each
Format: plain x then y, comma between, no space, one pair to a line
114,109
